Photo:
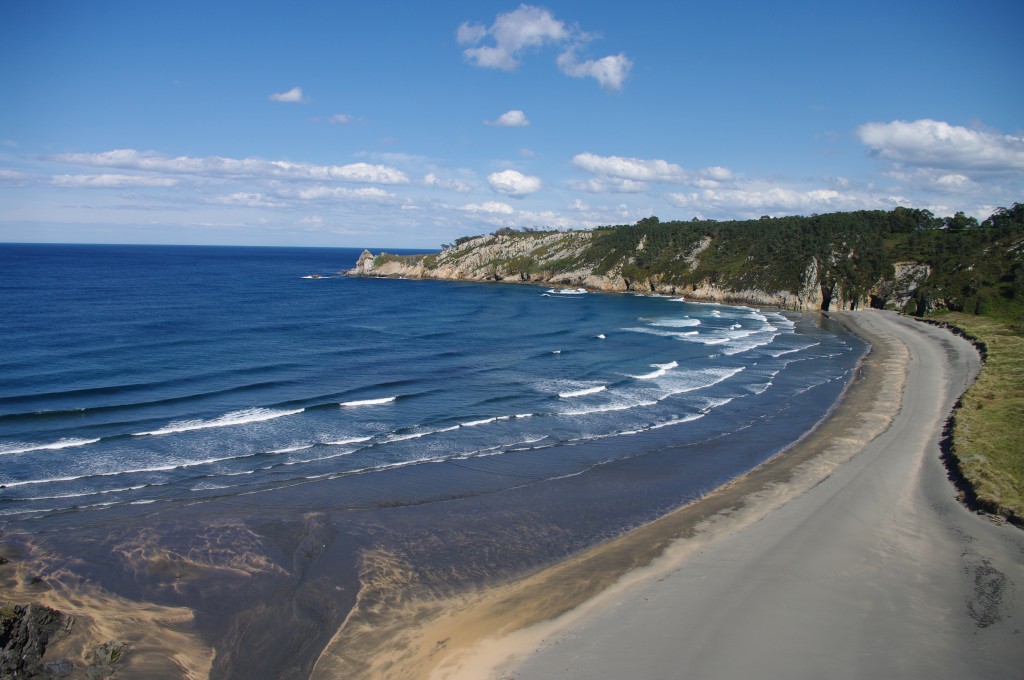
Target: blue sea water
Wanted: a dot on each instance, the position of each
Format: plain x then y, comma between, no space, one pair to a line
142,375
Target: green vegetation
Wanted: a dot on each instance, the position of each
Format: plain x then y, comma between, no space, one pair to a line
987,444
971,267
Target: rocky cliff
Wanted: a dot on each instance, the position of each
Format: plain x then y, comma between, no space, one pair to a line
559,259
904,259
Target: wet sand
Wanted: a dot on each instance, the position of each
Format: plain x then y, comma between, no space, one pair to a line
846,556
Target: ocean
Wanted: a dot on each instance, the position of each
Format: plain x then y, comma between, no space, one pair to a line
153,376
293,456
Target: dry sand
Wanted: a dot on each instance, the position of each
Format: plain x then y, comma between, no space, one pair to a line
847,556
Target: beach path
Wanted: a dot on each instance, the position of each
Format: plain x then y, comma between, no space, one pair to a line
869,568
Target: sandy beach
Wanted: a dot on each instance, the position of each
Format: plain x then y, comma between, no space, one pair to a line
846,556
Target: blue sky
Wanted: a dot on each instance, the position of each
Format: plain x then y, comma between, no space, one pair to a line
402,124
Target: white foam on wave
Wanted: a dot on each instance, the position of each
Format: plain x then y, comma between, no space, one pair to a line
678,421
17,447
91,492
685,322
699,380
74,478
650,330
179,464
292,449
418,435
752,341
662,369
346,442
582,393
485,421
782,321
367,402
243,417
778,353
609,408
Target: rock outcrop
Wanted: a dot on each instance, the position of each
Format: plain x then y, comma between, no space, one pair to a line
904,259
25,633
555,259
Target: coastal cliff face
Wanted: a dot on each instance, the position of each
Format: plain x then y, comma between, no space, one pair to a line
558,259
900,259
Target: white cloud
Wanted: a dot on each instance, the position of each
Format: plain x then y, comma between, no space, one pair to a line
534,27
432,180
513,118
217,166
717,173
513,183
654,170
249,199
292,96
489,207
14,177
935,144
757,198
611,71
514,31
318,193
109,181
603,185
340,119
470,34
954,181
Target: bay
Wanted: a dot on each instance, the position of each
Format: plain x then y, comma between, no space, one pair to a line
156,375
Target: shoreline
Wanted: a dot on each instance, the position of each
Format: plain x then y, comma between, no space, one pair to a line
474,635
349,592
257,585
849,556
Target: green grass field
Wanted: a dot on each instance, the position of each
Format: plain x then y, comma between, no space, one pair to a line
988,436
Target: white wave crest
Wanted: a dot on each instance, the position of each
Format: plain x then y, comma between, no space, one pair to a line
368,402
582,393
485,421
662,369
346,442
699,380
292,449
10,449
676,323
608,408
243,417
